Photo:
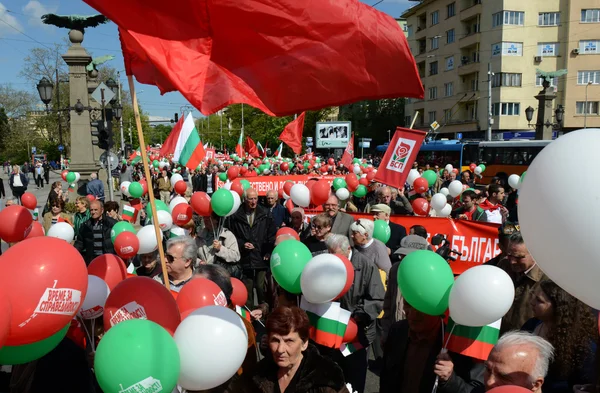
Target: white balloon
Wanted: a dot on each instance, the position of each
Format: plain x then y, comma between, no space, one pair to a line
125,188
438,201
323,278
177,231
227,185
449,168
342,194
514,181
62,230
444,191
95,298
212,344
176,201
77,177
455,188
175,178
356,169
477,170
412,176
569,256
480,296
147,238
300,195
165,220
266,171
445,211
162,164
364,175
236,203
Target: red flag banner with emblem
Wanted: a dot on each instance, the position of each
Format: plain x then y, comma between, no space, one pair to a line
399,157
348,155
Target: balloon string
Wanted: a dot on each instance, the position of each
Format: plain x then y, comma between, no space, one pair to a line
449,335
93,338
87,333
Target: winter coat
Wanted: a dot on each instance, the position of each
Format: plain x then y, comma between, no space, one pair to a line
85,240
261,235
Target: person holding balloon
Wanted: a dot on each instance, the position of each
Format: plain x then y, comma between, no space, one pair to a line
56,215
321,225
95,187
374,250
218,248
164,186
94,235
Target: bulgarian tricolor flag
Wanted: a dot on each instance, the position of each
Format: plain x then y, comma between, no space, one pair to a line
328,322
243,312
189,150
278,151
239,148
129,213
475,342
348,349
261,150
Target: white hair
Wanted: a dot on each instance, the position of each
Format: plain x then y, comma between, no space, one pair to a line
190,251
545,350
363,226
337,242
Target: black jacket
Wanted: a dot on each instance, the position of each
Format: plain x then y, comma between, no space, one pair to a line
203,182
467,375
398,232
261,235
85,240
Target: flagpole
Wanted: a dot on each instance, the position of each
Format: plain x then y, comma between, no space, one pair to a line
138,123
414,120
221,116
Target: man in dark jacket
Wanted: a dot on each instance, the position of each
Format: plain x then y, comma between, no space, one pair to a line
469,209
94,235
279,213
382,211
254,230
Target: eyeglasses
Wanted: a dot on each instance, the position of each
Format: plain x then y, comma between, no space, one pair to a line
170,258
358,223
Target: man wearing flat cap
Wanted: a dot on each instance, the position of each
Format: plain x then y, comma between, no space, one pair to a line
382,211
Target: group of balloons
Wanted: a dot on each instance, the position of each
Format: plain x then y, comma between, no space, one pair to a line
478,297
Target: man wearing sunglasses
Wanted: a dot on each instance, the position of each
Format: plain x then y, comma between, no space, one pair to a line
181,258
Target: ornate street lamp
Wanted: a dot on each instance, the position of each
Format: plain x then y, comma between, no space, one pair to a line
529,114
114,87
45,88
117,111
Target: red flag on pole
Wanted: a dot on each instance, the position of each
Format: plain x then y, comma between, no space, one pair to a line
348,153
399,157
251,148
292,134
279,67
171,142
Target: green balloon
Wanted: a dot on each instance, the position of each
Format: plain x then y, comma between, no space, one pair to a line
259,170
291,164
119,227
155,163
355,161
245,184
522,179
245,165
360,192
136,190
425,280
222,202
317,160
160,205
482,167
287,262
338,183
124,162
71,177
223,176
382,231
21,354
135,354
306,164
430,176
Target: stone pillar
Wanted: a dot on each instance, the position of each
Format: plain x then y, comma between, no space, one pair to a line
84,155
545,121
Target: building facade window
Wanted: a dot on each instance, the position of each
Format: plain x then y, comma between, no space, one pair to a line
539,81
585,77
447,115
506,109
449,63
434,43
451,10
433,68
549,19
448,89
507,49
589,47
410,31
590,15
516,18
431,116
407,120
433,93
450,36
508,79
592,107
547,49
435,18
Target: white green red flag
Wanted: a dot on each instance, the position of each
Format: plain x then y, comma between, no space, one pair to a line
475,342
399,157
239,148
278,151
129,213
244,313
348,349
261,150
328,322
189,150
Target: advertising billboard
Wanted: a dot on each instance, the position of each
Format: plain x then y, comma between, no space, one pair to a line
333,134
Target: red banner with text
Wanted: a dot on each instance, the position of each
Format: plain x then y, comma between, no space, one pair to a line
262,184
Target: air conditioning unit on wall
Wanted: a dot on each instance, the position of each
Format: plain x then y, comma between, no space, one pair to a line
537,59
575,51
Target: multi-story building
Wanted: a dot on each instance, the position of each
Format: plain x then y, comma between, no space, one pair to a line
455,41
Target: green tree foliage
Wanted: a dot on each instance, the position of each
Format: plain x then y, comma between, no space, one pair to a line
372,119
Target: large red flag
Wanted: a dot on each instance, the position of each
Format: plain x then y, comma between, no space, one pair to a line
348,155
171,142
292,134
282,57
399,157
251,148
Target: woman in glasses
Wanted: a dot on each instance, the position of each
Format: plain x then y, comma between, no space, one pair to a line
321,228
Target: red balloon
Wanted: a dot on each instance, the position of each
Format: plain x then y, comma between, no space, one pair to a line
284,166
421,206
110,268
455,170
243,170
5,317
331,161
182,214
236,186
351,331
509,389
420,185
309,184
289,205
323,169
351,182
319,192
349,275
36,230
144,185
364,181
287,231
239,297
201,203
472,167
46,281
233,172
287,187
141,298
199,292
127,245
16,224
29,200
370,176
64,174
180,187
90,197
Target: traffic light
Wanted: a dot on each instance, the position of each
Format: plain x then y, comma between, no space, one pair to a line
175,118
103,131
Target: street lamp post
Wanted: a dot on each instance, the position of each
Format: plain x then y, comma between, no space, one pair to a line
559,114
585,110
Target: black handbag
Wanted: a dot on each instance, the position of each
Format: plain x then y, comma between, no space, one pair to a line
234,269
